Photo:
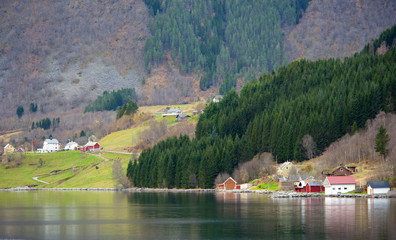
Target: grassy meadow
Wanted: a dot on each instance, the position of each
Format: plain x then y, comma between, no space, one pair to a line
74,170
120,140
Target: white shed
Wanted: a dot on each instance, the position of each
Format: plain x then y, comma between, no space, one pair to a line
339,184
378,187
71,146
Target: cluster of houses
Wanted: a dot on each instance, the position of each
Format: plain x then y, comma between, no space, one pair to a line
11,149
52,145
177,112
337,181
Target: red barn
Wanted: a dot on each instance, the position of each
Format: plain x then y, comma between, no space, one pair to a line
314,187
91,147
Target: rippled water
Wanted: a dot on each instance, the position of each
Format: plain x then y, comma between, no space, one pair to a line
119,215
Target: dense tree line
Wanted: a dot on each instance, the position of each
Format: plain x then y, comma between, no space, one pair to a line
321,99
45,123
387,36
112,100
216,37
127,109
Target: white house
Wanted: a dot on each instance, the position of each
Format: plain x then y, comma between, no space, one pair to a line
339,184
71,146
50,145
217,98
378,187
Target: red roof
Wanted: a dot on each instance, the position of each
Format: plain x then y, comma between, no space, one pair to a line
341,180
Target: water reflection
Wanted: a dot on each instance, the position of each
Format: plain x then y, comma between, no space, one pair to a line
116,215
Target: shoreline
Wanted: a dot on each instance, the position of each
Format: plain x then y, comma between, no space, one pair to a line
270,194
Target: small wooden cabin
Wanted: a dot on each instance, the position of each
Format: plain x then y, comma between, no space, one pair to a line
229,184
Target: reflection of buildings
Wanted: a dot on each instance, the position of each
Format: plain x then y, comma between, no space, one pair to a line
377,212
340,218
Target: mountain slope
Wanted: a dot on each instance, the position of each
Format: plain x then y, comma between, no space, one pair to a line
54,52
338,28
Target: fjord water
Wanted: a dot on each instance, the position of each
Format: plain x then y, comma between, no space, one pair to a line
167,215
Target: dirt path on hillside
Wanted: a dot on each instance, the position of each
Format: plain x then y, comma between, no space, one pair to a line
36,179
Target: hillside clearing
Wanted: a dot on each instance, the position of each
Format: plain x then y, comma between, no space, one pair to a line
63,169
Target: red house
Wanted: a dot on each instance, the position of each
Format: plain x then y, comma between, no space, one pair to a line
229,184
300,186
91,147
314,187
20,150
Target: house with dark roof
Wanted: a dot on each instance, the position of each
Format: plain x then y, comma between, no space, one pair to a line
341,170
181,117
378,187
339,184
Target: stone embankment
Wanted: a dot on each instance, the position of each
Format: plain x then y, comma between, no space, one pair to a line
320,195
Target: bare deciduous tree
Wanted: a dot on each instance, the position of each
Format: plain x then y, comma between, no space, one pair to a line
309,146
221,178
261,165
119,175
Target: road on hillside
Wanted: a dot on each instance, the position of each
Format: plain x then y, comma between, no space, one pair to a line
121,152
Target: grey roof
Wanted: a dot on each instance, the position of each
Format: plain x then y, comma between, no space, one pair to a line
379,184
174,110
51,141
314,184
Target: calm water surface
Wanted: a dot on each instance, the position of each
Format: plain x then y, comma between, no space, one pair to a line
119,215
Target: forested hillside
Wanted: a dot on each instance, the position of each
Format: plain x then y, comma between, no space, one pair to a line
216,38
305,102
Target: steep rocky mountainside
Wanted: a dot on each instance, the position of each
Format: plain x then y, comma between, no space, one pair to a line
60,54
338,28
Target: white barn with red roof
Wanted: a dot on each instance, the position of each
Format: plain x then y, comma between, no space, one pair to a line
339,184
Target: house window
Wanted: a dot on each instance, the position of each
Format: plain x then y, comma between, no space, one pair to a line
341,169
339,188
333,188
345,188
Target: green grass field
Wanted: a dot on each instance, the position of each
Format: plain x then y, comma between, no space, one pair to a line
120,140
272,186
76,170
83,170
